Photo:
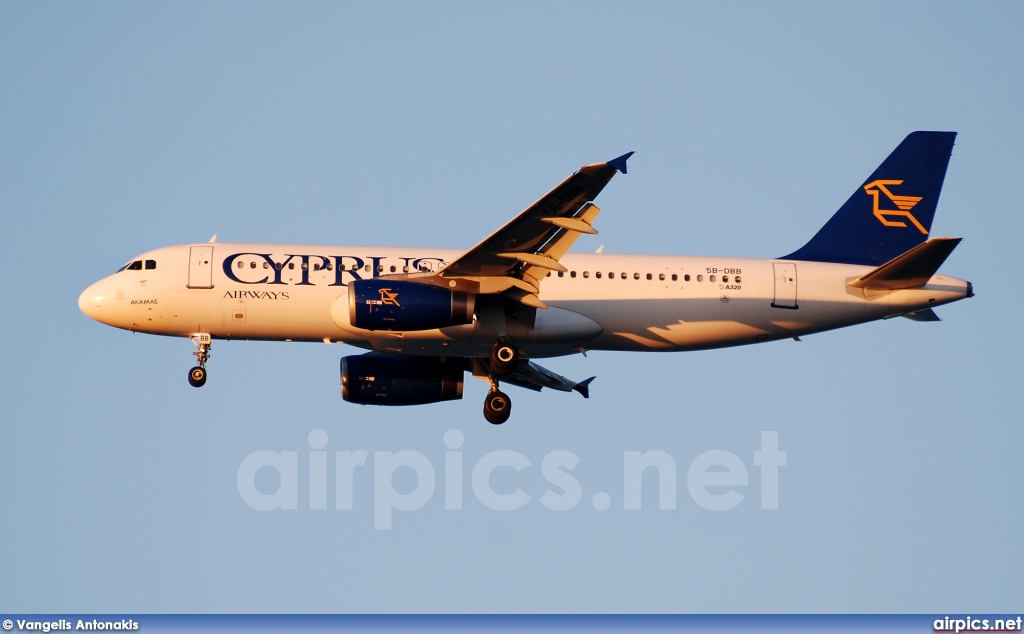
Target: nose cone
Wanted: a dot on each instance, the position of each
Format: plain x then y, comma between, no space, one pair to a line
91,302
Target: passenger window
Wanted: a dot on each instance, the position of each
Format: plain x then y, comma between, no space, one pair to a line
711,278
150,264
305,266
241,264
611,276
686,278
598,274
291,266
316,267
365,268
328,266
700,278
587,274
392,268
266,265
648,276
675,277
252,265
661,276
623,275
737,279
572,273
548,275
355,267
380,268
277,265
636,276
405,269
561,274
725,278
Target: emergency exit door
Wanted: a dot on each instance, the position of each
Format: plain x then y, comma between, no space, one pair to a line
785,285
200,267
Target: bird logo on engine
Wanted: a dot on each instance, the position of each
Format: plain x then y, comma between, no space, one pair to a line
388,298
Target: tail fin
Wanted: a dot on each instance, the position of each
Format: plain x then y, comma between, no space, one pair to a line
892,211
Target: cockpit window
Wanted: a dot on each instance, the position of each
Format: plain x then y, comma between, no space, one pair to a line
137,265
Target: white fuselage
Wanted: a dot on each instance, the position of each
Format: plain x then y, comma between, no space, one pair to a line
603,302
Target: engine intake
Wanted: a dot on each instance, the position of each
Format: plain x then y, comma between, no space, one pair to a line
379,304
373,379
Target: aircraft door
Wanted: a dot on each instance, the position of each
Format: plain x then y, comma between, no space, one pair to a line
200,267
785,285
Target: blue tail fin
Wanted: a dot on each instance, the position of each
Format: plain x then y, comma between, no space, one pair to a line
892,211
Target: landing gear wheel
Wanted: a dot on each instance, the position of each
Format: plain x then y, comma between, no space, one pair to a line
197,376
504,357
497,407
203,342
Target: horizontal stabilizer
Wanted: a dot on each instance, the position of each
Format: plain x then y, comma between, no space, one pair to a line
911,269
922,315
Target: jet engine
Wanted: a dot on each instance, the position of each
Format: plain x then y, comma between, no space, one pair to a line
375,379
380,304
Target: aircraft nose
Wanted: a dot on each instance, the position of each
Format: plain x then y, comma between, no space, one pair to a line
90,302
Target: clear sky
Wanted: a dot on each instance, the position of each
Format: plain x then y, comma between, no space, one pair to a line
129,126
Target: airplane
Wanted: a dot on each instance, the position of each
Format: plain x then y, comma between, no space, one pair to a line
427,316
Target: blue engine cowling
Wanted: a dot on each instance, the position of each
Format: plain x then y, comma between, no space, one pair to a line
373,379
379,304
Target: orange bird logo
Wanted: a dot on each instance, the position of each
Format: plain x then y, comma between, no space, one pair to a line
903,203
389,298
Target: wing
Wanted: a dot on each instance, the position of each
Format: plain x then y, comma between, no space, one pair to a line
534,377
515,258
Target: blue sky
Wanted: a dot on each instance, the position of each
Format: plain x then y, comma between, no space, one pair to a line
125,127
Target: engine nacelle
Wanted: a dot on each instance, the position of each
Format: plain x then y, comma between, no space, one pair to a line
372,379
400,305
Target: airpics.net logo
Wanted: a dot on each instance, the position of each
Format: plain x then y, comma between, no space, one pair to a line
715,480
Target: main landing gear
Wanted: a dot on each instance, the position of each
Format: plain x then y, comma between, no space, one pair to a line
504,359
197,375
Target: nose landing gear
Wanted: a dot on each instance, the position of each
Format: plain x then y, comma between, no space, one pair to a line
203,342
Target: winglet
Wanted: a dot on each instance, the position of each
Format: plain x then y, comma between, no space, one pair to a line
583,387
620,162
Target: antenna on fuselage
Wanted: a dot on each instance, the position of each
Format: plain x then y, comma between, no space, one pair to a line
213,239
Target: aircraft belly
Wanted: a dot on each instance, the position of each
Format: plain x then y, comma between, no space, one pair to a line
681,324
699,323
